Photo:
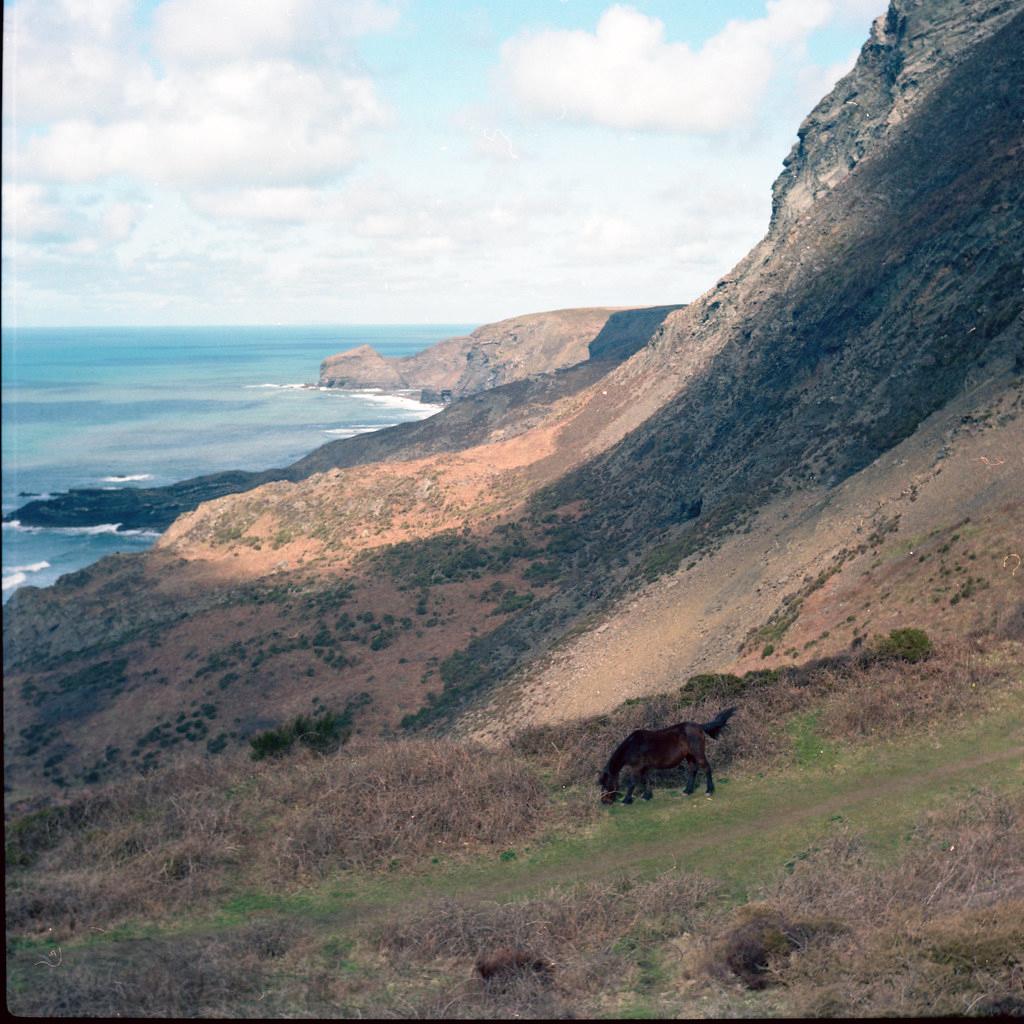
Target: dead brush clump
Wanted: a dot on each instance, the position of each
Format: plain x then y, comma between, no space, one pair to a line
939,931
758,945
182,977
887,697
145,846
858,695
574,934
385,804
585,916
151,845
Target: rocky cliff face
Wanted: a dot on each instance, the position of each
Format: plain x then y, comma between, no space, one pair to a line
887,295
492,355
910,50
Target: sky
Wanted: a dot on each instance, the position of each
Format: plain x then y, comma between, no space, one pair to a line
394,161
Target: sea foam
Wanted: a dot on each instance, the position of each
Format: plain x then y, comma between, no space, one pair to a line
18,574
354,430
126,479
80,531
399,402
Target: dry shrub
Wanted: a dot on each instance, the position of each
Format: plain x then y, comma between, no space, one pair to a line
503,964
586,916
188,977
382,804
577,933
151,845
857,696
758,945
939,931
140,847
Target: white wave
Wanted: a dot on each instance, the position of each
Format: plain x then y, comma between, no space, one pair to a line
34,567
280,387
401,402
81,531
15,580
353,431
126,479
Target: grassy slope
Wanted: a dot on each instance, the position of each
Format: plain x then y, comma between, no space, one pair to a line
754,830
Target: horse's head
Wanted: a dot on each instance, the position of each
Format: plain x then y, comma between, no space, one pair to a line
609,787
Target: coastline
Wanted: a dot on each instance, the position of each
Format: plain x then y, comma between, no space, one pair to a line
42,528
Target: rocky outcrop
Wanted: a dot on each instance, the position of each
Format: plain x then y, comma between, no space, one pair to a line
360,367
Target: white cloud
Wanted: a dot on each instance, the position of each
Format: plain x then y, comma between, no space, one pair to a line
269,108
196,31
67,59
626,74
30,213
267,122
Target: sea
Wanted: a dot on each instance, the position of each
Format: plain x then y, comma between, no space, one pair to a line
144,406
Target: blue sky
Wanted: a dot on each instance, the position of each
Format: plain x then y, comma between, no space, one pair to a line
332,161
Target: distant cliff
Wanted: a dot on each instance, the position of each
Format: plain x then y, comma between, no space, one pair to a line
498,353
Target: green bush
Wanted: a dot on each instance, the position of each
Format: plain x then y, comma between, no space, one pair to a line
712,684
902,645
323,732
512,602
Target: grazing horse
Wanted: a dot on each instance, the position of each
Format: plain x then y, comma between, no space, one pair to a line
645,749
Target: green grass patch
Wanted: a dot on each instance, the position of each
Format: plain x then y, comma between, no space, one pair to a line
810,748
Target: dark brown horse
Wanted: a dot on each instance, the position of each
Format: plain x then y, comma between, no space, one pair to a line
646,749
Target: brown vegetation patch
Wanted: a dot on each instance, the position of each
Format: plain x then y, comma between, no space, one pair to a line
939,931
853,697
175,838
381,804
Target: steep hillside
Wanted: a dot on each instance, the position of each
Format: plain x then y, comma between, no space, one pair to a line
880,319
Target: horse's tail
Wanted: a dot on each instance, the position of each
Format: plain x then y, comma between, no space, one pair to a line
721,720
608,780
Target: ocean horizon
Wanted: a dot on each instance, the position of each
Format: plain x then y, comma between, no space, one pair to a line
148,406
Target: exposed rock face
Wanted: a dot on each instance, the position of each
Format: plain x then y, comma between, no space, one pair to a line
360,367
909,50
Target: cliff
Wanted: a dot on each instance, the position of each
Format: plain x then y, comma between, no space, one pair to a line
492,355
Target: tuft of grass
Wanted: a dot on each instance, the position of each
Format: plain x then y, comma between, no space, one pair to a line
911,645
810,748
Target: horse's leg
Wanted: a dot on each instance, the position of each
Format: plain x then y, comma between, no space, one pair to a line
691,777
707,771
631,785
645,781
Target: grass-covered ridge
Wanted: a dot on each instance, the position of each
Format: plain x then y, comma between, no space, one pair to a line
368,880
